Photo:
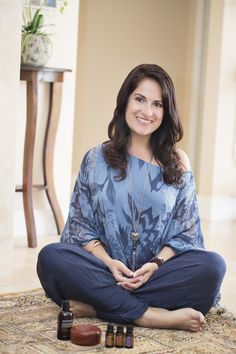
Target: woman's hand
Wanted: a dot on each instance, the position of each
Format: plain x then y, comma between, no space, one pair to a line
120,272
140,277
118,269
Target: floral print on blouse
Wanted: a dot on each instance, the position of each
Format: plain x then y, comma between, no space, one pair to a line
100,209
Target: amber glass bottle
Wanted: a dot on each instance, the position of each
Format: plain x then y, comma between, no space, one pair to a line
110,337
120,338
65,321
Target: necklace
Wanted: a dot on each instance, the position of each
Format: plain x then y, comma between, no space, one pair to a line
134,233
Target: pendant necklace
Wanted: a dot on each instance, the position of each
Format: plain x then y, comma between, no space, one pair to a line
134,233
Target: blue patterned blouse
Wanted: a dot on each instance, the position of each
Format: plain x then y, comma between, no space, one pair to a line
101,209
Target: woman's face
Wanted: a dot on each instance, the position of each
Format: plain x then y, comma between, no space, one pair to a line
144,111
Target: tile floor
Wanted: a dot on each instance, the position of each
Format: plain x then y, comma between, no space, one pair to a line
18,261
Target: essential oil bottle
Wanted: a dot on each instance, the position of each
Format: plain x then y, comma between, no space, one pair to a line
110,337
120,338
129,337
65,321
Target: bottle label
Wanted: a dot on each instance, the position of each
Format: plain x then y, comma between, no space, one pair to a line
66,324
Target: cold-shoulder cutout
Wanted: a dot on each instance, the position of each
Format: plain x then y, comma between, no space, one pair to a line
184,159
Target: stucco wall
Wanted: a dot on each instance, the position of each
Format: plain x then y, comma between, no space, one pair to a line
115,36
9,93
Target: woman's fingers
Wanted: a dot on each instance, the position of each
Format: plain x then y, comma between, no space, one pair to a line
133,283
128,279
138,273
119,270
126,271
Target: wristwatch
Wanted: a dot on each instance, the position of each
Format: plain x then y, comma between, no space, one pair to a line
158,260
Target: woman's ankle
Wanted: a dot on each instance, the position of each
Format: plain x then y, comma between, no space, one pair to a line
184,319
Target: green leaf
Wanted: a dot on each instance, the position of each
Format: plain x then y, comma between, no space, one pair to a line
37,21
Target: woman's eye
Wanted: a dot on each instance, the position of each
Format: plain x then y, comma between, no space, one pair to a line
139,99
158,104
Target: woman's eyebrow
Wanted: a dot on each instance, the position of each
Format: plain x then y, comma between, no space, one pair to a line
139,94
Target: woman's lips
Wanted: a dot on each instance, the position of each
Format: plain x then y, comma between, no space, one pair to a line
144,121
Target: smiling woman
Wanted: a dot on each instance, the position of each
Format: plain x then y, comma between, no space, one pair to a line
144,111
132,249
157,103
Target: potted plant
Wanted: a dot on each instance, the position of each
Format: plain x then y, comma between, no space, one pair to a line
36,45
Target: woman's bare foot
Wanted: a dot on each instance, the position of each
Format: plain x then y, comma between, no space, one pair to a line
186,319
80,309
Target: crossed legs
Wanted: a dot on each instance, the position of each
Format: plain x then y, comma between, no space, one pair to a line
187,319
177,296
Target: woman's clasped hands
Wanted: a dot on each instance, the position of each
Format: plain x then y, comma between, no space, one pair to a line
131,280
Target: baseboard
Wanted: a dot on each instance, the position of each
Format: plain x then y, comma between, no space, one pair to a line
217,208
44,222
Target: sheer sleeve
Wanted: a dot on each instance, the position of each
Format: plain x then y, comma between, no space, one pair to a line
80,227
184,231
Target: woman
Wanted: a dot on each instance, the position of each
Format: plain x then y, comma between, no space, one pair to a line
132,249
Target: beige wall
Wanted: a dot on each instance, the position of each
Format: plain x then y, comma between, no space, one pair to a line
225,145
194,41
210,97
217,133
9,93
115,36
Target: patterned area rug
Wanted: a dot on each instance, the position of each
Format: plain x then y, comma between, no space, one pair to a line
28,322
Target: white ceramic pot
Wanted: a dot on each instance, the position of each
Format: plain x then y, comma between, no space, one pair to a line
35,49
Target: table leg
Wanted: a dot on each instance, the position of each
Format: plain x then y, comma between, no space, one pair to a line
32,94
49,144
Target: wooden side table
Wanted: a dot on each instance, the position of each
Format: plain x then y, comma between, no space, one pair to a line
32,76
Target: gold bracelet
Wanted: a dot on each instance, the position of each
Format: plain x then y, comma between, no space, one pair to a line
96,243
93,244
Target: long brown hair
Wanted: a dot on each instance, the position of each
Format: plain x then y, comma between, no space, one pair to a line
162,141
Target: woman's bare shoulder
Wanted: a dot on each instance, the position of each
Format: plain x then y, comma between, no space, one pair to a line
184,159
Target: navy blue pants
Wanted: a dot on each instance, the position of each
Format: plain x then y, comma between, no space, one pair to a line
189,279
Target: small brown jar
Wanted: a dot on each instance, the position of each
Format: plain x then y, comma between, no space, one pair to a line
85,334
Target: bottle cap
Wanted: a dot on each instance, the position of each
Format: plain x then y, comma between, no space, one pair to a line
129,330
110,328
120,329
65,305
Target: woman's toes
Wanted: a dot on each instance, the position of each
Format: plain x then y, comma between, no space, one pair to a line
202,319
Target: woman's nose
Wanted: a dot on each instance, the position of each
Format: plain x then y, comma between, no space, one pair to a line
147,110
